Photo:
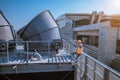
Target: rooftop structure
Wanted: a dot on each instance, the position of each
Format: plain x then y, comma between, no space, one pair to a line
99,33
44,51
6,30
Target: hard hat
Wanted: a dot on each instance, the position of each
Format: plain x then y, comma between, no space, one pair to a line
79,41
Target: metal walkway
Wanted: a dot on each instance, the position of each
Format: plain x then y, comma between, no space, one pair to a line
19,57
21,61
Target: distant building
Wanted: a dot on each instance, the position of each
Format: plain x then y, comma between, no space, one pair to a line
99,33
67,23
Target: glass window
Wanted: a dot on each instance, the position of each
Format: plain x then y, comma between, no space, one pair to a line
118,47
90,40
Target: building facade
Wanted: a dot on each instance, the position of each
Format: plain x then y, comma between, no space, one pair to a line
99,33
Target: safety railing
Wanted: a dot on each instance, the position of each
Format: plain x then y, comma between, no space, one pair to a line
23,51
70,45
89,68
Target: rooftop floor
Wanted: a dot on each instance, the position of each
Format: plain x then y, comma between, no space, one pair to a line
20,61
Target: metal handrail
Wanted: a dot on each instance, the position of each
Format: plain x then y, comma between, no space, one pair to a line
107,68
103,65
7,52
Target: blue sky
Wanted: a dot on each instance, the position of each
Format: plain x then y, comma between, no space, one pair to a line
20,12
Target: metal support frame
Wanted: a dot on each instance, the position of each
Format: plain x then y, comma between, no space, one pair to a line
35,68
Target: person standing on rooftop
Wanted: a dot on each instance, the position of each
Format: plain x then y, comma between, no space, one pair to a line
79,50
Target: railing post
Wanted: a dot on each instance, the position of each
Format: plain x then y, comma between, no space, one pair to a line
106,74
27,51
48,51
94,78
75,72
7,53
78,68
